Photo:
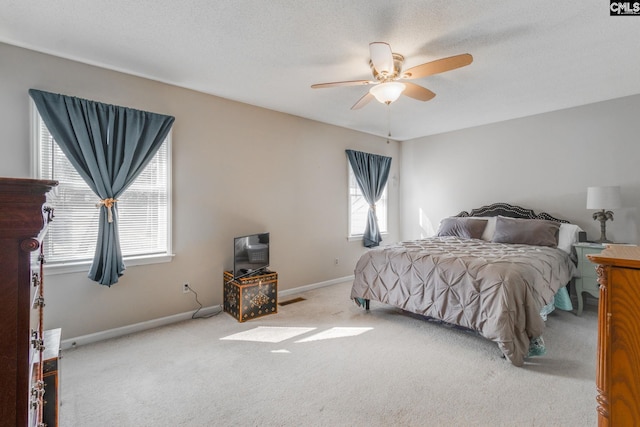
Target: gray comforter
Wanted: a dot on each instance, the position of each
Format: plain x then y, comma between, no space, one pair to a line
495,289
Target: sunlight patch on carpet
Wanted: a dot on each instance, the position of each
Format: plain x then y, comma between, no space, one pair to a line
336,332
268,334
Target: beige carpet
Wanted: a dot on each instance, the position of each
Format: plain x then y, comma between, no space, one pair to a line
325,362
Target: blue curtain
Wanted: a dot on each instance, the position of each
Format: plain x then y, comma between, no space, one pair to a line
372,172
109,146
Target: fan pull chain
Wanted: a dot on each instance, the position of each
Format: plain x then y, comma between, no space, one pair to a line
388,122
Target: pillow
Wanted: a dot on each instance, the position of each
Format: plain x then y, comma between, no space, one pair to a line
468,228
537,232
567,236
487,234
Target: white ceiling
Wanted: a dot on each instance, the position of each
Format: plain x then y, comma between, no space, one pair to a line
530,57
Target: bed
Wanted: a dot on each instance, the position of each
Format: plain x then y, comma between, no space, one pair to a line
497,270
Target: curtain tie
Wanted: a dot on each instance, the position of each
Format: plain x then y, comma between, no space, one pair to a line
372,207
107,203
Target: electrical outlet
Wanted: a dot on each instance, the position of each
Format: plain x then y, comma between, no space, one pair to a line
337,261
185,288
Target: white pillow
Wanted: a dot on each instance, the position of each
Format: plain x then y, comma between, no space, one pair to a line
567,236
487,234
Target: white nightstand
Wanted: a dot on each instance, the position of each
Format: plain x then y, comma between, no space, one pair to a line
587,280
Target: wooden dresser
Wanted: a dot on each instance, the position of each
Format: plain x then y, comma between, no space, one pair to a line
23,220
618,368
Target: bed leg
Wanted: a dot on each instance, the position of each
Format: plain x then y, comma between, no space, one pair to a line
366,304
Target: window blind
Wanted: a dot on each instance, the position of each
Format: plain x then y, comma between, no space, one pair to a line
359,208
143,209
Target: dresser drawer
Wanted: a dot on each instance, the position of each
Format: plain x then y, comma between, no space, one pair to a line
587,269
36,338
587,280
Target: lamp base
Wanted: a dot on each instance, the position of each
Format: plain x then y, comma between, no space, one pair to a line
603,216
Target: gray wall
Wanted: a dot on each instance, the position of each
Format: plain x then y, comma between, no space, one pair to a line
544,162
237,169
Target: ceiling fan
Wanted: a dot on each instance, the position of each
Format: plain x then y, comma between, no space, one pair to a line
386,67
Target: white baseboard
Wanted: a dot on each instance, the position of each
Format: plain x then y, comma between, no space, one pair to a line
314,286
162,321
136,327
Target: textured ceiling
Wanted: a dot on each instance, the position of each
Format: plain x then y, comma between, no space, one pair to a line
530,57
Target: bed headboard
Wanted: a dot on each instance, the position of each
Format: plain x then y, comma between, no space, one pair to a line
511,211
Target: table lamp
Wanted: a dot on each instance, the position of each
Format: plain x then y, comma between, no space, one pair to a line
603,198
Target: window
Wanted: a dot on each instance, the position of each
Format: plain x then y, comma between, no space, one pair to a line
359,208
143,210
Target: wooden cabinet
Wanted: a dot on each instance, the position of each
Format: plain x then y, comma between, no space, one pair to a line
587,281
618,367
23,217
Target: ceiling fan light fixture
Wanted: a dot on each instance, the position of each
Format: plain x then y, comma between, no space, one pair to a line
388,92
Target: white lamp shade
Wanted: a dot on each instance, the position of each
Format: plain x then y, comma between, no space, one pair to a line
603,197
387,92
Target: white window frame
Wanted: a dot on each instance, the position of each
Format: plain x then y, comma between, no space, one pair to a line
384,224
83,266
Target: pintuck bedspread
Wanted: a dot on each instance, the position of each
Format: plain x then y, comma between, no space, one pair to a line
495,289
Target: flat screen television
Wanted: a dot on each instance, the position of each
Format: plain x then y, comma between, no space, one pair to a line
250,254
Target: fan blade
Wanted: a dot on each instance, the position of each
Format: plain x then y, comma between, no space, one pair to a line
363,101
381,57
438,66
347,83
417,92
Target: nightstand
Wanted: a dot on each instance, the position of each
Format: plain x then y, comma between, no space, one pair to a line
588,279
